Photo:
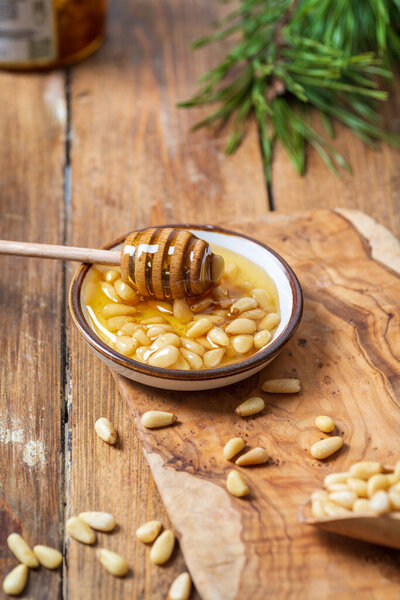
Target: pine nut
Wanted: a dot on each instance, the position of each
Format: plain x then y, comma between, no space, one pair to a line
236,485
281,386
362,505
241,326
101,521
262,338
325,448
263,299
249,407
365,469
317,509
48,557
182,311
218,336
216,319
148,532
207,344
243,304
344,498
117,310
141,337
242,343
233,447
333,478
195,361
180,588
395,487
256,456
359,486
270,321
80,531
192,346
394,497
339,487
225,302
109,291
115,323
380,502
165,357
129,329
377,482
111,276
142,353
244,285
202,305
22,551
15,582
321,495
114,563
181,363
125,291
125,345
166,339
200,327
325,423
256,314
106,430
212,358
219,292
163,547
156,320
395,476
158,330
157,418
332,509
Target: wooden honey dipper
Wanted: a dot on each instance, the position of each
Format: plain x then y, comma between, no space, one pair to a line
162,262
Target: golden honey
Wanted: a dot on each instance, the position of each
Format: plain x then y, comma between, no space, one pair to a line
224,326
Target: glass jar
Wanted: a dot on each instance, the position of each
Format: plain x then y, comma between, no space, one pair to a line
38,34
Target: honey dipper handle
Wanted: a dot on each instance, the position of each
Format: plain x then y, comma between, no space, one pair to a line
88,255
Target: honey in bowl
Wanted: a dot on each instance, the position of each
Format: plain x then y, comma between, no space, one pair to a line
228,324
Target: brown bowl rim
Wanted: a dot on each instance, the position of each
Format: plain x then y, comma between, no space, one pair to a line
176,374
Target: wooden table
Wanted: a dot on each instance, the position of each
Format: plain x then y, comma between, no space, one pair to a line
87,154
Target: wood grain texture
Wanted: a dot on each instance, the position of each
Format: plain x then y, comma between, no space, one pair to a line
134,163
32,122
345,353
373,188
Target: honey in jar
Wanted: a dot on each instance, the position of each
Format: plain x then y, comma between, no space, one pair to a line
40,34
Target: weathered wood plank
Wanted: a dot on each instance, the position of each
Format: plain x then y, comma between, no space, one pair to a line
373,188
32,122
135,163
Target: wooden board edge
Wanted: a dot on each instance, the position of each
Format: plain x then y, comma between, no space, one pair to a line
385,247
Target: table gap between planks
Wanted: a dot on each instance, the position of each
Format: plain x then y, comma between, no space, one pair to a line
91,153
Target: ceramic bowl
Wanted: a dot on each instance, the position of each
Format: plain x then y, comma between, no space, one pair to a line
291,305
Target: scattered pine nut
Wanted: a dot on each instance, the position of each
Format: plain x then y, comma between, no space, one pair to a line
163,547
233,447
249,407
281,386
380,502
325,423
80,531
256,456
325,448
114,563
48,557
236,485
157,418
365,469
15,582
106,430
101,521
180,588
148,532
22,551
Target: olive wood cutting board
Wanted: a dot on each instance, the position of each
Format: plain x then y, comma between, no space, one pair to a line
346,353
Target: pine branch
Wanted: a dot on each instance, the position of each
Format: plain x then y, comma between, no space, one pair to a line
278,73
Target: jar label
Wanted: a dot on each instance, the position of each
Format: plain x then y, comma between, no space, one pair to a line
27,32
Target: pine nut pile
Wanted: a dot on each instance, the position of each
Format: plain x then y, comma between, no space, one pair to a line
367,487
231,323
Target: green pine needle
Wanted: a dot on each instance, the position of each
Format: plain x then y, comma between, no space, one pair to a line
328,55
